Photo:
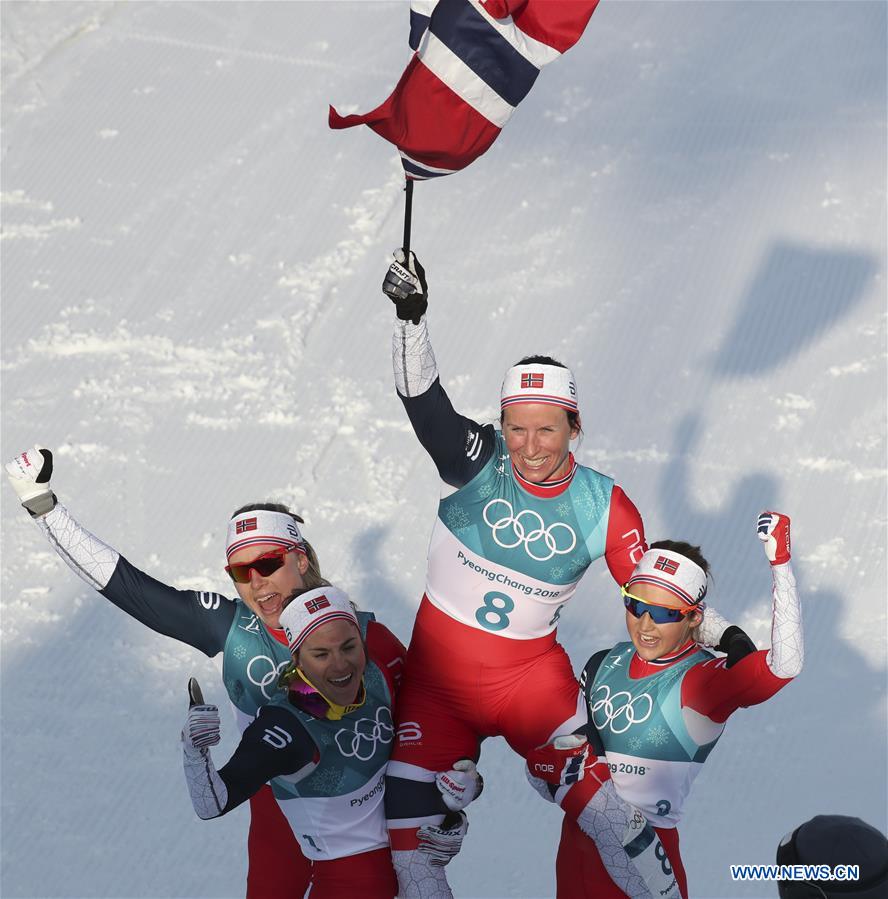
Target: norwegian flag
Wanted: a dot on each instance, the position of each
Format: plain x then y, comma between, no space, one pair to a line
667,565
244,525
316,604
475,61
532,380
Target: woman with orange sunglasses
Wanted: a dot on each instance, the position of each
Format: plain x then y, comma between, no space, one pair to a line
268,559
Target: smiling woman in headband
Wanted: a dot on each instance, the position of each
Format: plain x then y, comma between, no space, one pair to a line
268,557
325,657
657,705
519,523
324,742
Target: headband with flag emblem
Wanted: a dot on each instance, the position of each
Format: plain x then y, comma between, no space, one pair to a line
263,527
308,611
673,572
537,383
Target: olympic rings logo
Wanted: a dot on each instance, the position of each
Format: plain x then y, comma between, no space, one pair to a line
270,678
361,743
528,528
609,711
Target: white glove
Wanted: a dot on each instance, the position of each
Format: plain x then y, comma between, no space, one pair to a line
202,727
460,785
208,792
773,531
442,843
29,474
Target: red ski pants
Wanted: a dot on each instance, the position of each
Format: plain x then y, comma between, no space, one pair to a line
277,868
368,875
461,685
580,873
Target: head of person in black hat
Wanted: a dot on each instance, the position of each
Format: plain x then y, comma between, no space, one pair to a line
833,841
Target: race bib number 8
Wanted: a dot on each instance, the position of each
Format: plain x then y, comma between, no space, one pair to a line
493,615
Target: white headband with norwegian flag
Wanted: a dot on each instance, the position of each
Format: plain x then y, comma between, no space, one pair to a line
262,526
673,572
536,383
313,609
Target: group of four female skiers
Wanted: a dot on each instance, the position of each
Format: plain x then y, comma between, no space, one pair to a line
357,756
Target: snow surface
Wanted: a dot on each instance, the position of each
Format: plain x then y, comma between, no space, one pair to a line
689,208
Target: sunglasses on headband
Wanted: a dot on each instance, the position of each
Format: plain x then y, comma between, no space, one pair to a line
659,614
263,565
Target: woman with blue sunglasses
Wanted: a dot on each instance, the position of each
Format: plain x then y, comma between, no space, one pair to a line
658,704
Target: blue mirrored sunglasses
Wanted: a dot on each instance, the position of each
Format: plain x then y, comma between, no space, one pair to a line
659,614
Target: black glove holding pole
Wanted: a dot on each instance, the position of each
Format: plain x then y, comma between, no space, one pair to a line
405,285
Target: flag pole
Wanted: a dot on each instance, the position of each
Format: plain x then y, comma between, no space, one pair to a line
408,215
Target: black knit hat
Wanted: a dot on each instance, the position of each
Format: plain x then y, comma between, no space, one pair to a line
836,840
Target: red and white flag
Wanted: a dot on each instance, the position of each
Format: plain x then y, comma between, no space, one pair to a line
475,61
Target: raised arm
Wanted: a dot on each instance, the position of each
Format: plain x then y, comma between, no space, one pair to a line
459,446
787,653
715,689
200,619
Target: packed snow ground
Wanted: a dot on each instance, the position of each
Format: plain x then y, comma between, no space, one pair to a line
689,208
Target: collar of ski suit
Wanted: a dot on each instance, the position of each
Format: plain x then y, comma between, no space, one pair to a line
548,488
639,667
309,698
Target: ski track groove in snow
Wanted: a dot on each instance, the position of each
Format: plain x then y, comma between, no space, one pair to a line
314,283
260,55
